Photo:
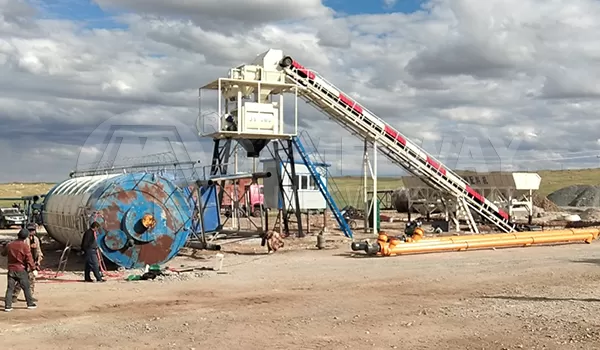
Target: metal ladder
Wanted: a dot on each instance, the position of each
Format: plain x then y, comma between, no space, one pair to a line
64,259
332,187
345,114
322,187
462,208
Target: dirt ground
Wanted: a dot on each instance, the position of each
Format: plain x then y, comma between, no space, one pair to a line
304,298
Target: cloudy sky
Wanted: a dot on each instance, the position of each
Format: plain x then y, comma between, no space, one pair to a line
480,84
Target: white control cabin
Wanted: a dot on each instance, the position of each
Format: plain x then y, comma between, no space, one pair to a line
309,196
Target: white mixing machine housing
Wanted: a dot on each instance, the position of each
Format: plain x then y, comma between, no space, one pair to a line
250,101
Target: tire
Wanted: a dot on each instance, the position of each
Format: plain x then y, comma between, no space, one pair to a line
286,62
257,213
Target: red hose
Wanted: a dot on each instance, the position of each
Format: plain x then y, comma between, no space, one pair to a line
50,276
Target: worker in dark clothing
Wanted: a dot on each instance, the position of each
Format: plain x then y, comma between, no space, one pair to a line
90,248
38,256
230,124
20,262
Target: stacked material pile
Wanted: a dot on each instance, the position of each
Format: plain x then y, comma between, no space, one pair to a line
544,203
576,196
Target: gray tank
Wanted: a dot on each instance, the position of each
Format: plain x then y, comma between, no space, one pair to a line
400,200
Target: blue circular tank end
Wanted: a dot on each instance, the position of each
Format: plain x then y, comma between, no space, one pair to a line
120,208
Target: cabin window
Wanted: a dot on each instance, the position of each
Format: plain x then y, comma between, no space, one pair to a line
304,183
311,183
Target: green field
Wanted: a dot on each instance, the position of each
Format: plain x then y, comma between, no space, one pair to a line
350,187
552,180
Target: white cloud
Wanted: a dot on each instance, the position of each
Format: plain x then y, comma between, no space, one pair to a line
389,3
509,71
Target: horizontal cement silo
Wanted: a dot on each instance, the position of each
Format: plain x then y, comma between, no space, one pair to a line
144,217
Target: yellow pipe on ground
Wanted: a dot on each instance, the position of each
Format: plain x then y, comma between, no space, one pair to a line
593,231
395,246
490,237
390,249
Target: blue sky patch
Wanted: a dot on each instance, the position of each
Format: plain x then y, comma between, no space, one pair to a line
85,11
356,7
88,12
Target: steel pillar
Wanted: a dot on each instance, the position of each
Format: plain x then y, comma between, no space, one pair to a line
220,161
370,168
289,202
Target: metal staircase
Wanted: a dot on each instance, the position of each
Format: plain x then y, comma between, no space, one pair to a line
396,147
339,217
311,148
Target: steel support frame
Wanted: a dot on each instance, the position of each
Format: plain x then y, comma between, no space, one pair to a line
222,151
289,203
426,201
370,168
384,197
237,212
457,208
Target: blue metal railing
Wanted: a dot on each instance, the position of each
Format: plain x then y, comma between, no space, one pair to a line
332,186
339,217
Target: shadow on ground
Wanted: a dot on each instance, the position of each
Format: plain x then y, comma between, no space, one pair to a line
587,261
530,298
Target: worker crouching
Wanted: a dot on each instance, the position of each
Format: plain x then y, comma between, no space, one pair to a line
20,263
273,241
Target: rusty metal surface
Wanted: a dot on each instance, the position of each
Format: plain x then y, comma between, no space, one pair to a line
119,203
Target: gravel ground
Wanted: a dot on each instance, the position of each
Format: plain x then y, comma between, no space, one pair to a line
300,298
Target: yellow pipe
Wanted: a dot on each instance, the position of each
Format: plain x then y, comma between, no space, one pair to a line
383,238
417,248
396,248
593,231
508,237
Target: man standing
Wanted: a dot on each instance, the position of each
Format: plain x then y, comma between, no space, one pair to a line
90,248
36,251
20,261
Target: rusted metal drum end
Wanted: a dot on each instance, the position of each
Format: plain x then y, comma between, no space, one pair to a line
151,212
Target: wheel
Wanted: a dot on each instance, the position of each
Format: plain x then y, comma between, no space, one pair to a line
257,213
286,62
